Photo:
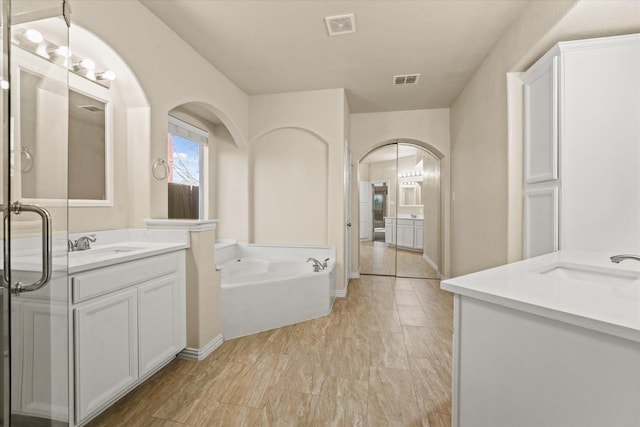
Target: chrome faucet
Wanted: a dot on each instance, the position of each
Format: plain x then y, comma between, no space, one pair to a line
317,265
82,244
617,258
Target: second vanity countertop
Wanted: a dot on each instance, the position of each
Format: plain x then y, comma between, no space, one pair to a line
581,288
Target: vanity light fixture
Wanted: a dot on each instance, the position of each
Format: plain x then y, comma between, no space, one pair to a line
106,75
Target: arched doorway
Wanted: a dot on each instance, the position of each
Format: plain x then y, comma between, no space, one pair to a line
399,212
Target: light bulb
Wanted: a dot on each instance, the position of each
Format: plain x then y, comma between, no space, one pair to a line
63,51
106,75
86,64
34,36
4,84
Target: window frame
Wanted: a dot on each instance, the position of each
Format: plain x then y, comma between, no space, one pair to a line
186,130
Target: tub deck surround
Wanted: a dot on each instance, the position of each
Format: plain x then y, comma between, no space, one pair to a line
552,340
267,286
182,224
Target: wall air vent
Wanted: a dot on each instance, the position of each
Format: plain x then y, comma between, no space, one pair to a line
91,108
406,79
340,24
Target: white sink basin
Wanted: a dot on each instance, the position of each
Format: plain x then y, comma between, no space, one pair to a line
591,274
102,252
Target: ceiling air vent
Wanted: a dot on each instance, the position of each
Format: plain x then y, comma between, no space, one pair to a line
340,24
406,79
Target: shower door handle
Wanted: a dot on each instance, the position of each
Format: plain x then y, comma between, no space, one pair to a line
17,208
348,224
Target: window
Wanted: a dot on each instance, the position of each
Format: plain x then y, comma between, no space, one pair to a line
187,151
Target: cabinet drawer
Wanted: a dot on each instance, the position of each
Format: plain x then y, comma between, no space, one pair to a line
101,281
405,222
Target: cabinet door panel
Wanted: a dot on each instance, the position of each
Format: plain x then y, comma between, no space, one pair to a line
106,348
419,238
158,312
541,126
44,392
541,222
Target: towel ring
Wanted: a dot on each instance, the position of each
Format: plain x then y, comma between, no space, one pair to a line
28,165
160,169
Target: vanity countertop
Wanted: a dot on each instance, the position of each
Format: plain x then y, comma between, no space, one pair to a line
111,247
581,288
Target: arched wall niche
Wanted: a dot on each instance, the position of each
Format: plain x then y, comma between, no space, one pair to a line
289,187
226,167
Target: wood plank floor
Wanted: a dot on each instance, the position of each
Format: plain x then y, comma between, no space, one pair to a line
381,358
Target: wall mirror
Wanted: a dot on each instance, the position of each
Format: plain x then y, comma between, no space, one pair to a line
84,146
411,193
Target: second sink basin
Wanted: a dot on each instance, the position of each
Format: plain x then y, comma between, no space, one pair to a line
591,274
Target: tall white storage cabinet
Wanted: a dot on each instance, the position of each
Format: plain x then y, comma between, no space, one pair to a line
582,147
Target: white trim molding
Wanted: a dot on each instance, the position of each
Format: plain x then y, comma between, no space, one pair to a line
433,265
199,355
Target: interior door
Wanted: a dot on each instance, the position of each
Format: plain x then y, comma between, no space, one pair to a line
35,373
366,199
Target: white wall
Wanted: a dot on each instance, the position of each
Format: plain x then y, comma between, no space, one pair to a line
232,187
479,137
155,54
320,113
428,128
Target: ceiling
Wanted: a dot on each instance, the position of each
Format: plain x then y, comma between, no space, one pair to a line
273,46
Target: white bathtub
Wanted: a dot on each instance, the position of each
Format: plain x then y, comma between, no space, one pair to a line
266,286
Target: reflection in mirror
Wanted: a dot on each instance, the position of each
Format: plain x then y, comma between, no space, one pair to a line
41,136
86,147
41,139
400,212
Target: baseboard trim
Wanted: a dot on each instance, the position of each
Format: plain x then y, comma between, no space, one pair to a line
354,275
198,355
432,264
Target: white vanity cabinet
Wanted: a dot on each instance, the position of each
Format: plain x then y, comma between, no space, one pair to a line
405,230
581,133
404,233
40,337
128,320
106,349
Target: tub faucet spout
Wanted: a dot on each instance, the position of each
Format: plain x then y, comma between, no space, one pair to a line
617,258
317,265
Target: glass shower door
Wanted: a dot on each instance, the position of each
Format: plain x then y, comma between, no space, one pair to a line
35,295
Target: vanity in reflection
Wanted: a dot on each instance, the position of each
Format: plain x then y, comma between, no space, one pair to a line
405,233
